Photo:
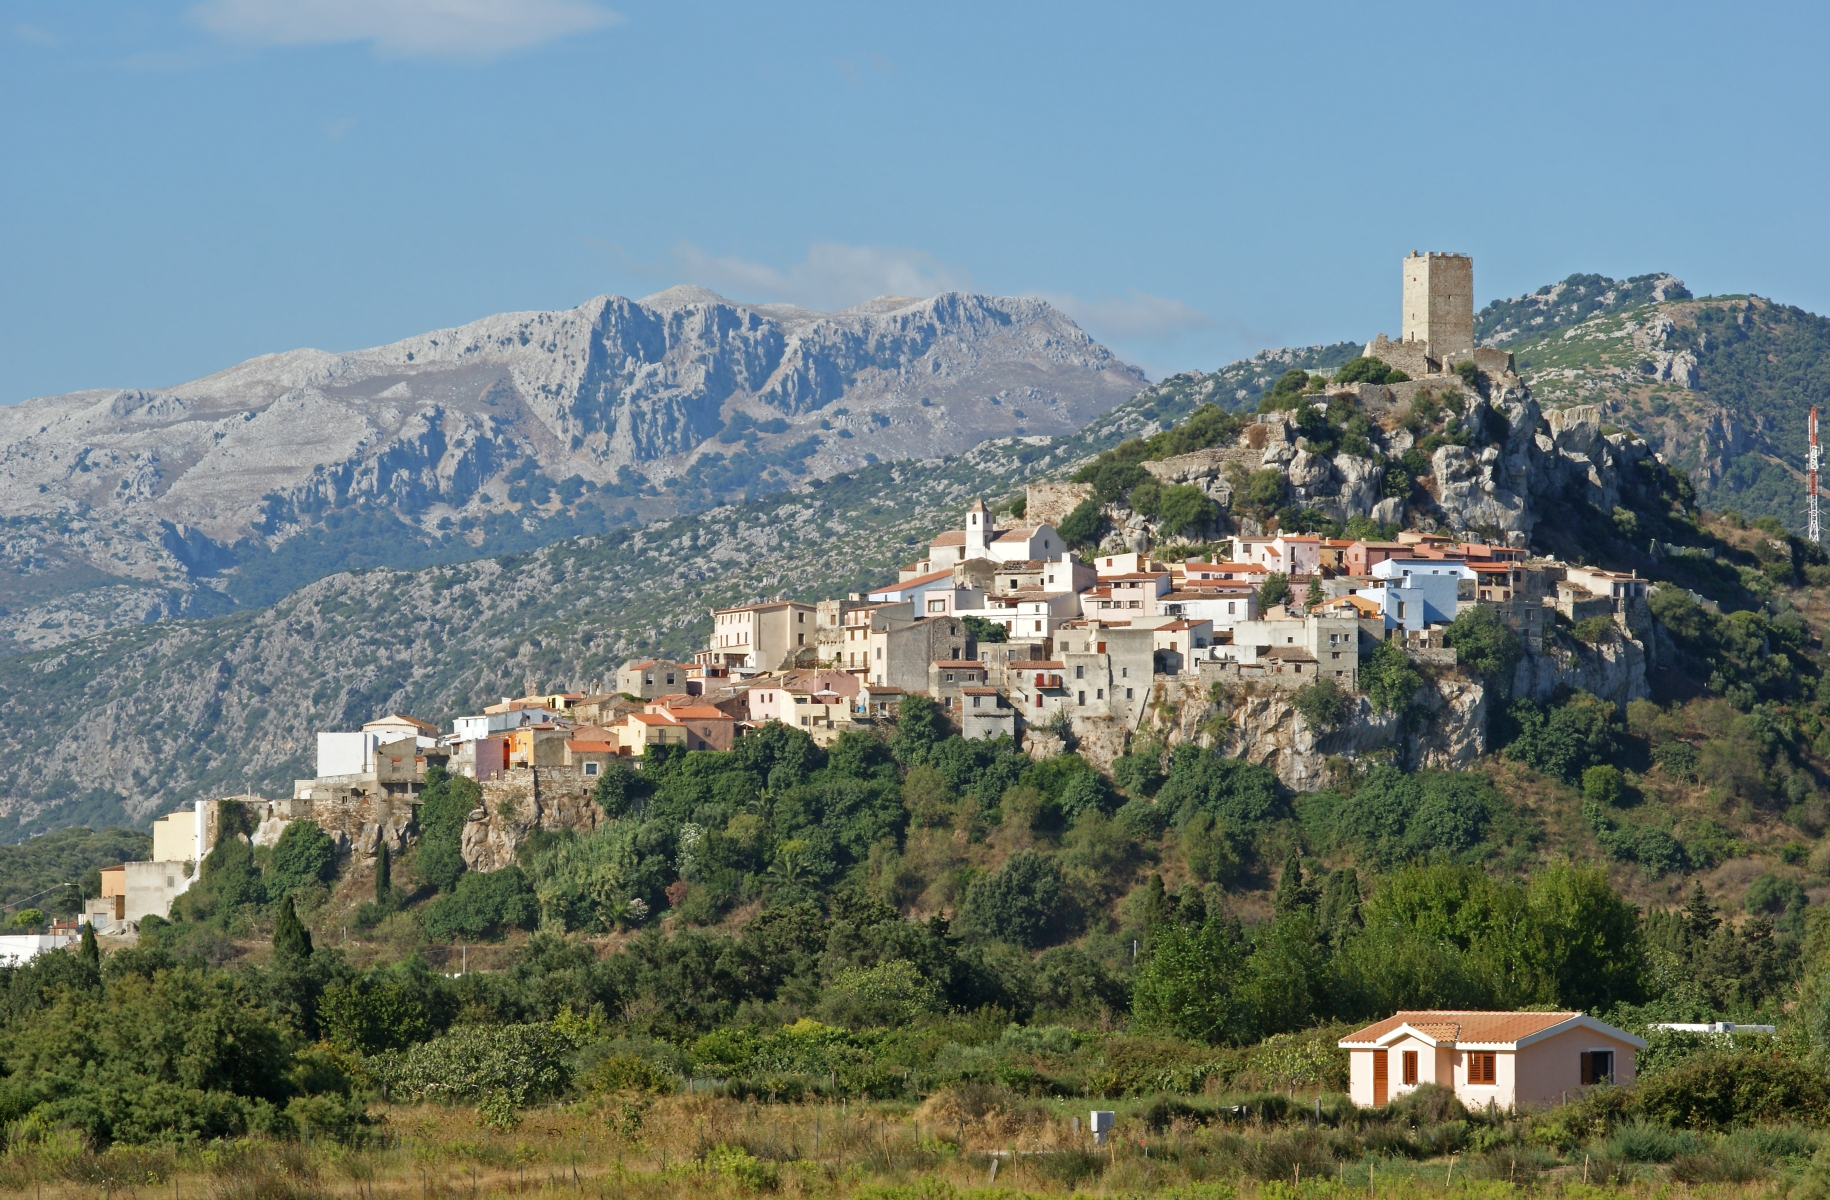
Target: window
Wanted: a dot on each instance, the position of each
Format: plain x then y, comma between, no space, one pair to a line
591,768
1082,697
1231,607
1127,693
975,701
1123,672
1482,1067
937,606
880,658
1038,627
1410,1067
1597,1067
1080,672
948,676
1099,693
1038,701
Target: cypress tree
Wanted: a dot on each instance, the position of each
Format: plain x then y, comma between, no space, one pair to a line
91,950
291,940
384,874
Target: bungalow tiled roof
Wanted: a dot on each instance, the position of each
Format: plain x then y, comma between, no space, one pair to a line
963,664
953,537
591,747
980,691
1466,1027
1017,535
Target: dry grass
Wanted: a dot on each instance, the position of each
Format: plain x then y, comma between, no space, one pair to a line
701,1146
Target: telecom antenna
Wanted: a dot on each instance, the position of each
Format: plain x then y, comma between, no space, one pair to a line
1811,463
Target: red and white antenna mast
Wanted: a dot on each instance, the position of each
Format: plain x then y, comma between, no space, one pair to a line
1811,463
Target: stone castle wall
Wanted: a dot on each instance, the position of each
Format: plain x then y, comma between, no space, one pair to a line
1439,303
1050,503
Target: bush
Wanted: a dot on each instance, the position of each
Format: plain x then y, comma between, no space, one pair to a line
1389,678
1574,736
1719,1090
1323,704
1082,527
1184,509
304,854
483,905
1482,641
445,804
512,1065
1397,816
1594,630
1604,784
1017,903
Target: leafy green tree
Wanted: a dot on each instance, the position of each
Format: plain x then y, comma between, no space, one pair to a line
1574,736
1190,986
291,940
1243,795
29,918
1587,948
1323,704
1481,640
920,726
445,804
1273,591
91,950
483,905
1362,370
1082,527
1294,893
372,1016
1264,491
304,854
619,790
384,874
984,630
1389,677
1604,784
1396,816
1184,509
1019,903
1338,915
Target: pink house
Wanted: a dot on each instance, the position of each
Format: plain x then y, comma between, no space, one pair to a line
1511,1060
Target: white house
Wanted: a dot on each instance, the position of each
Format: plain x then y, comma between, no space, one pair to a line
1511,1060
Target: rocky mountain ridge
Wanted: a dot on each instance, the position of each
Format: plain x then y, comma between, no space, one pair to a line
511,431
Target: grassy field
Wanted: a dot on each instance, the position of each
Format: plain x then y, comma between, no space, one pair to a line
984,1143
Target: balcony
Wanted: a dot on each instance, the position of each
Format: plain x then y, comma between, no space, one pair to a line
1047,682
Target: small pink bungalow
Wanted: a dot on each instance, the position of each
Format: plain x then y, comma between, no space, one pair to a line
1511,1060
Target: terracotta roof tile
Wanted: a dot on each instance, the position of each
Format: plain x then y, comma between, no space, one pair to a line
1464,1026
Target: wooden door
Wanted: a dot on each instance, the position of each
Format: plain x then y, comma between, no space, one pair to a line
1381,1081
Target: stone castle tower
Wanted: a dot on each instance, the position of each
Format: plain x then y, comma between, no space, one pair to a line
1439,304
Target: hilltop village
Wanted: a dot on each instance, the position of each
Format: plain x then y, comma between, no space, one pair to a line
1024,629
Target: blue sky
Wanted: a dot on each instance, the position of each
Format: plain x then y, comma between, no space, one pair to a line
186,185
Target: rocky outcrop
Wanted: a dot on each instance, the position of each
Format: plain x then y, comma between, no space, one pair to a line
1615,671
1449,731
522,801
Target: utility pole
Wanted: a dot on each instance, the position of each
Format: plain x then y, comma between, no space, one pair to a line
1811,463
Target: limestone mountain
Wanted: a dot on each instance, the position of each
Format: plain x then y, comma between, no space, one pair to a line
499,436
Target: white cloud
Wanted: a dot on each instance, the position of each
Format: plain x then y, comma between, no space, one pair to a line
1137,315
436,28
832,276
36,35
